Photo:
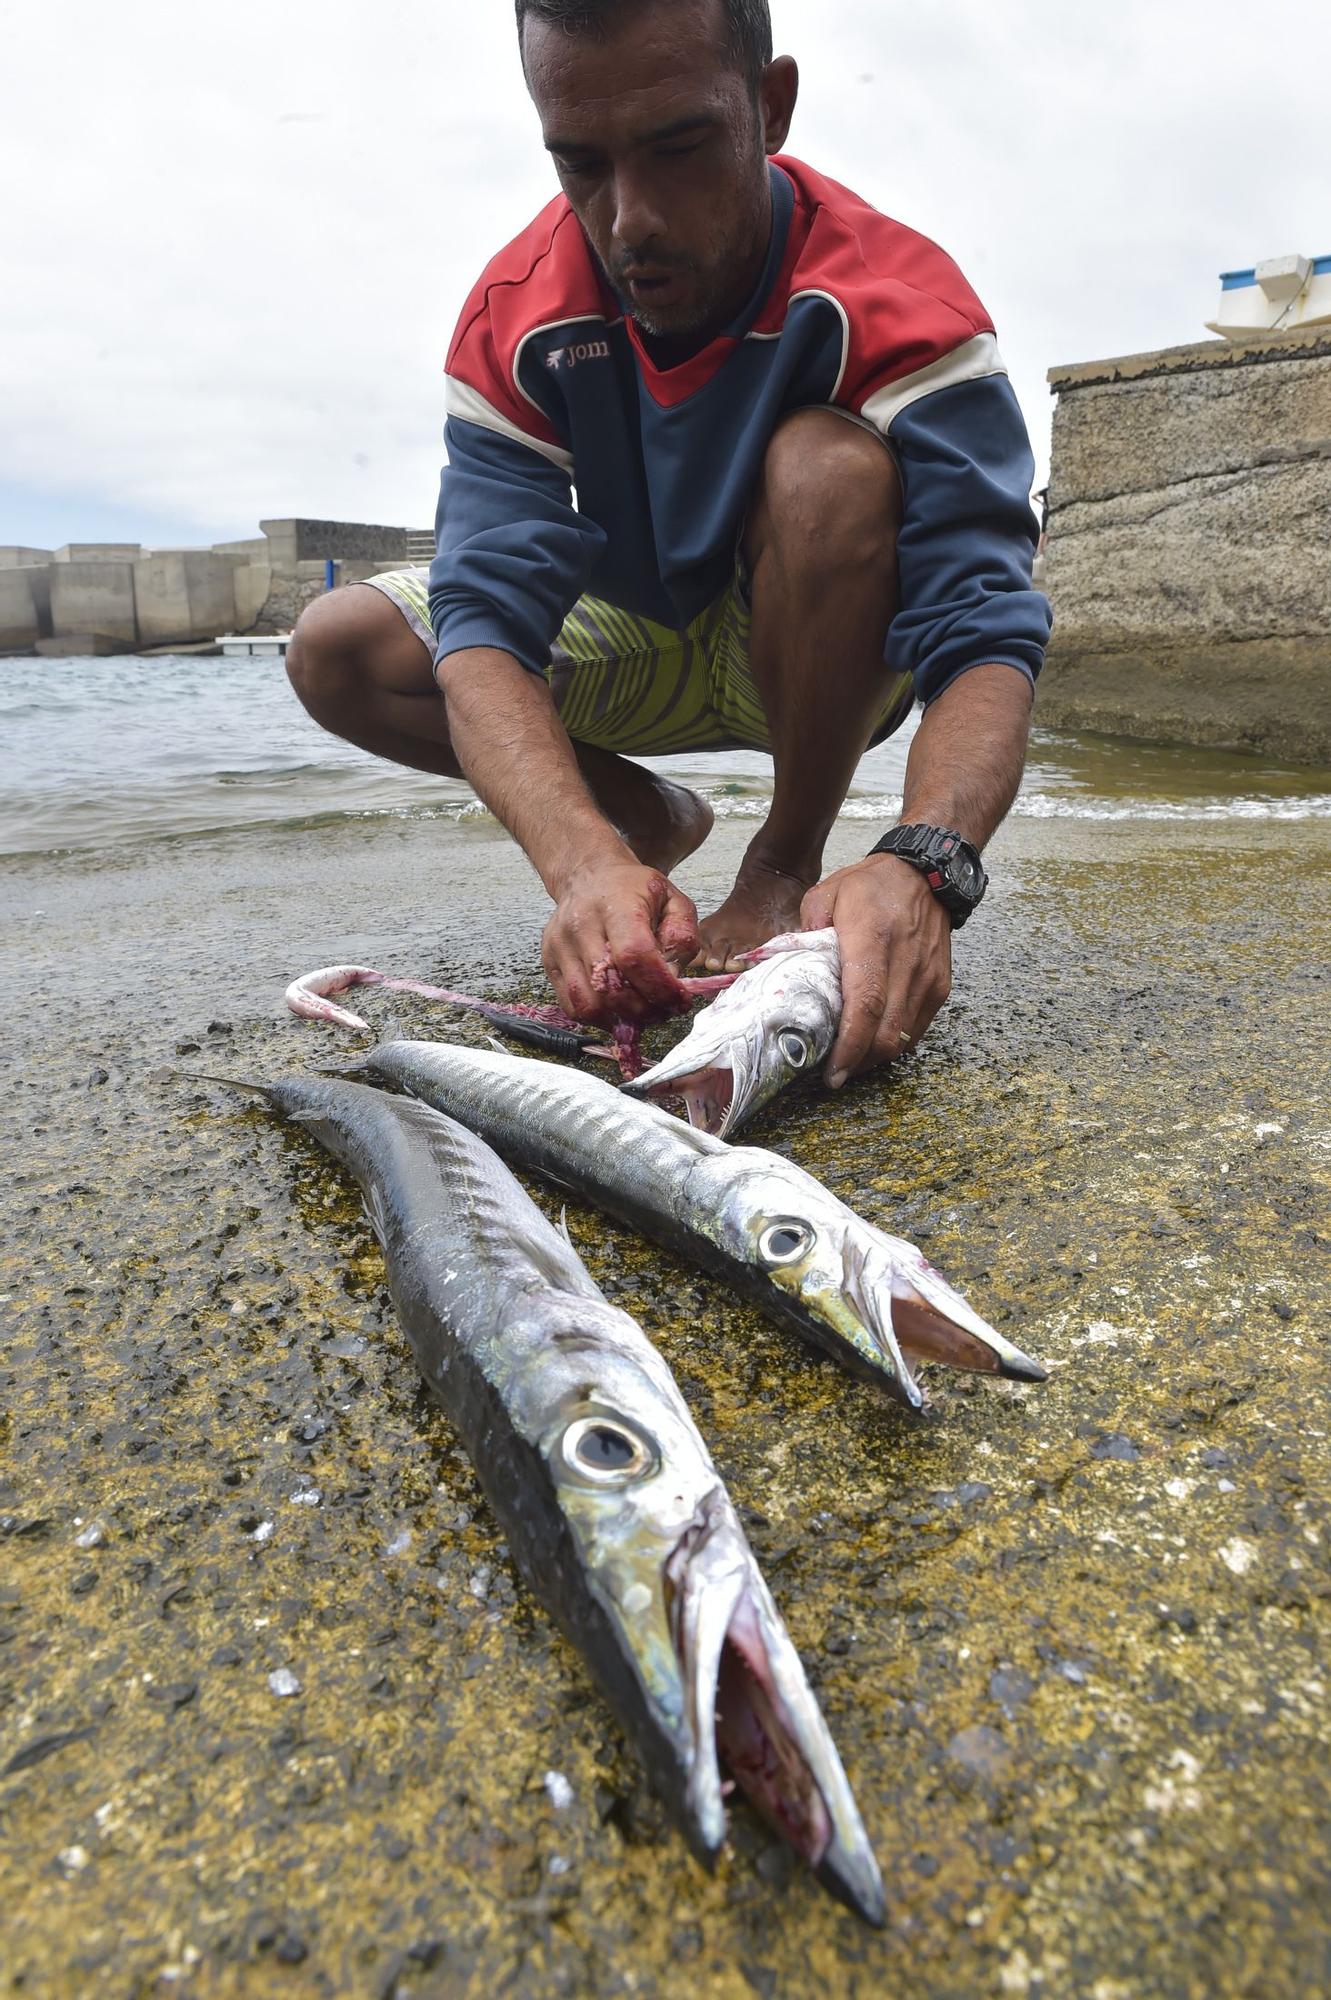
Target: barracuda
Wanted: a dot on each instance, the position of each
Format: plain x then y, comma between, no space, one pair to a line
593,1466
776,1023
754,1219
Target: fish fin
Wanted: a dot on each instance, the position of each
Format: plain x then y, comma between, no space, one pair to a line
563,1225
394,1030
373,1205
495,1043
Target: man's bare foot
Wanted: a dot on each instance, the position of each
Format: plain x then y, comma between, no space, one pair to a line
764,902
662,822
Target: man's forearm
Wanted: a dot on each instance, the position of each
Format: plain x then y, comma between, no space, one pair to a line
969,753
517,755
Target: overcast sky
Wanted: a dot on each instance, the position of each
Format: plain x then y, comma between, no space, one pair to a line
236,237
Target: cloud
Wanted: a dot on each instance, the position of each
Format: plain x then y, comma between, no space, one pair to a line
243,234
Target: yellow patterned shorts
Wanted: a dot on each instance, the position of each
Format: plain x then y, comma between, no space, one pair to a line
625,683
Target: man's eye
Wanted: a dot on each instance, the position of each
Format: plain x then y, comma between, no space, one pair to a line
678,152
578,169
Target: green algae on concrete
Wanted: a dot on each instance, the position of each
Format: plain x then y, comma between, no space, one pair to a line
278,1717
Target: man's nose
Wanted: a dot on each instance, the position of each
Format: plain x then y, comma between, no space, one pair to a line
638,221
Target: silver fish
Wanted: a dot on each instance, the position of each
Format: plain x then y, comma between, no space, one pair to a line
776,1023
756,1220
589,1458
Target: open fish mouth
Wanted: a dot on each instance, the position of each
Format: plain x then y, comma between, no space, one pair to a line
887,1278
708,1097
717,1087
750,1713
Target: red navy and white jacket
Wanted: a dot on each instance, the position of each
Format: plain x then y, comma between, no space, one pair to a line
552,392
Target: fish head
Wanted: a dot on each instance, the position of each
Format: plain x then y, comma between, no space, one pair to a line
798,1238
776,1024
871,1298
707,1675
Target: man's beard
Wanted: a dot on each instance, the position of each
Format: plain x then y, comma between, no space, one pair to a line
714,303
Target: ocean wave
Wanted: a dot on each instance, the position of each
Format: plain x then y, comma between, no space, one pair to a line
1051,805
59,833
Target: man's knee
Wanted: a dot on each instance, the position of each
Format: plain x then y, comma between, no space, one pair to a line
323,649
829,494
347,639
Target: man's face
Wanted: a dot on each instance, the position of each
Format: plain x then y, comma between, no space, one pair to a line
661,150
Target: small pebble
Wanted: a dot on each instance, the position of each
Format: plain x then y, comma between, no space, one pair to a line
980,1750
91,1537
283,1682
1010,1688
262,1532
559,1789
1115,1445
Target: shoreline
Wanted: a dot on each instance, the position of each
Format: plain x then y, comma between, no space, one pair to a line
1065,1637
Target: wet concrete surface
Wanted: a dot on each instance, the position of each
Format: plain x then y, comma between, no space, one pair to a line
276,1715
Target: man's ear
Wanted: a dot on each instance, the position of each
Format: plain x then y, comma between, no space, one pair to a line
777,92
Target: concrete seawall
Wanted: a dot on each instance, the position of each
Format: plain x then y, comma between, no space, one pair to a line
116,597
1188,564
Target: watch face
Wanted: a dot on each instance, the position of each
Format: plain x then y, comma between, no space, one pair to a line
965,874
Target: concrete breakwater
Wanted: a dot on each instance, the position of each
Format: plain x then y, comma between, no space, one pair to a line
1189,525
117,597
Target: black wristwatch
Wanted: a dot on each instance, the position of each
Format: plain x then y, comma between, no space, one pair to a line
949,864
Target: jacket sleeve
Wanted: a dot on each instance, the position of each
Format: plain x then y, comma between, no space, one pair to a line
513,553
967,537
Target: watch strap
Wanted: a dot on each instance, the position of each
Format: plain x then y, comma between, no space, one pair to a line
932,850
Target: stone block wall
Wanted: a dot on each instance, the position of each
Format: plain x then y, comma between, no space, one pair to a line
94,600
25,611
182,593
116,595
1187,559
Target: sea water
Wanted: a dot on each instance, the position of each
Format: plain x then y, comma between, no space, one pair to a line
98,753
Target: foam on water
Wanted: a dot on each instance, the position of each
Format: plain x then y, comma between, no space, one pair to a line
101,753
1041,805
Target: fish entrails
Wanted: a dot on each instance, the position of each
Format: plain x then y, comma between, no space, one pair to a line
606,1492
309,997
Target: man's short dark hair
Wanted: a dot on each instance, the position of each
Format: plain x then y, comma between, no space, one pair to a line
748,24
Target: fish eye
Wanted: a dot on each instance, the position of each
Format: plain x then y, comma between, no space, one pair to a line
606,1451
785,1242
794,1047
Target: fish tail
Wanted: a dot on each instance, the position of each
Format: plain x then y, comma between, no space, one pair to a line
228,1082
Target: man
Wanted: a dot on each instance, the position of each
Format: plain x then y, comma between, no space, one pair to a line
802,490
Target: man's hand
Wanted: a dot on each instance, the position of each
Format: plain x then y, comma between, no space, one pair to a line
619,929
896,959
619,936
